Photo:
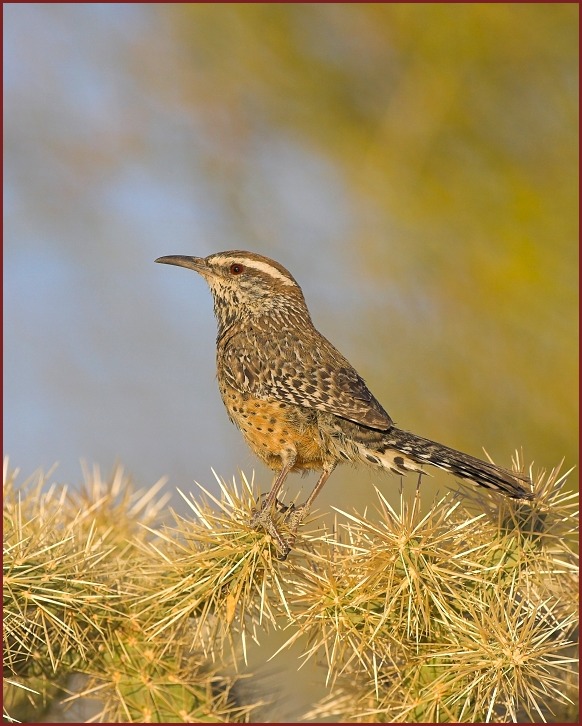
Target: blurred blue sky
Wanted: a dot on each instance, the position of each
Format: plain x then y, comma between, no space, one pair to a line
107,356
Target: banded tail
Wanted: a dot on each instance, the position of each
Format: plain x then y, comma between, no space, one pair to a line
403,452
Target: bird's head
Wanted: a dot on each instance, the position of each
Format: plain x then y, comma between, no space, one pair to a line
246,286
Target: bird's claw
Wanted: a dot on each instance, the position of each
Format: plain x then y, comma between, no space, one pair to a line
262,518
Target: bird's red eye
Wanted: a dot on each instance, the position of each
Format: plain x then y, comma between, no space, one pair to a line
236,268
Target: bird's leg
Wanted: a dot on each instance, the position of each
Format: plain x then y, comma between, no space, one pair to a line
275,488
298,514
263,517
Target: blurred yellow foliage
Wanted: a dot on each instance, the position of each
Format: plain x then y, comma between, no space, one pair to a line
454,129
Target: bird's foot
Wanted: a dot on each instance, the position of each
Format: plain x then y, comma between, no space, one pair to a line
262,519
295,515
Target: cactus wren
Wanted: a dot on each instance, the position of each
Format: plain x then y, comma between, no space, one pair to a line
299,403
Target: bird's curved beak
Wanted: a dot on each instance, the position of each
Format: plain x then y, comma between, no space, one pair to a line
198,264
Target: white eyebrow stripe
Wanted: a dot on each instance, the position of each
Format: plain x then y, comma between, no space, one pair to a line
262,266
270,270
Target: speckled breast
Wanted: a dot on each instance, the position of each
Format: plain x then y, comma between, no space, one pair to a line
275,430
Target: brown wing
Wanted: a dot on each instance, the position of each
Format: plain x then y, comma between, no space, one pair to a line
282,367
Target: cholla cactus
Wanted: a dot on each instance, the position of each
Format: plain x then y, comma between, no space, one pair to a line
74,575
451,617
464,610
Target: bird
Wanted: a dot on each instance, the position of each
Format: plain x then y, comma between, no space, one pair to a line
298,402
